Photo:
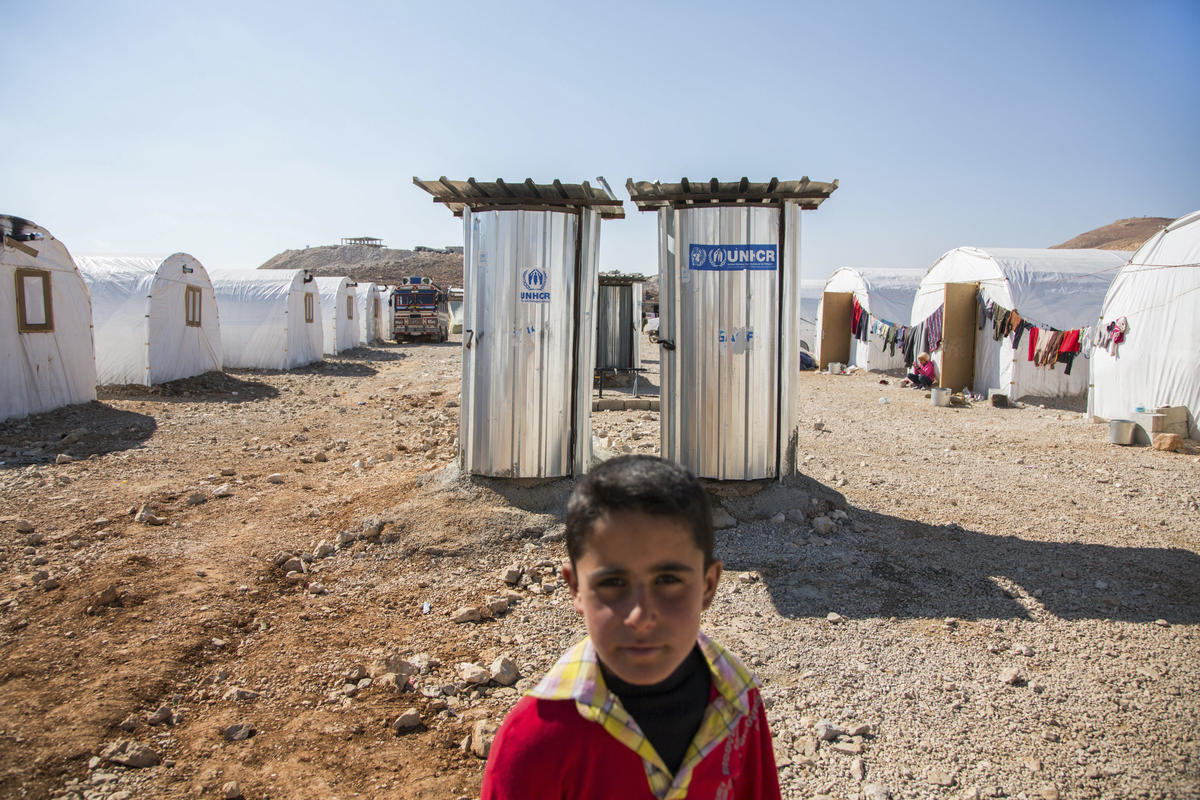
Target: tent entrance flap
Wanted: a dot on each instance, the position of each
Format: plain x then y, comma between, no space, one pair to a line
835,328
958,336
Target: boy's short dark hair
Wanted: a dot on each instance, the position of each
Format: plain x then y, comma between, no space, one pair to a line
644,484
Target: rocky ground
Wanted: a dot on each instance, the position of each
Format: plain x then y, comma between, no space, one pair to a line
278,585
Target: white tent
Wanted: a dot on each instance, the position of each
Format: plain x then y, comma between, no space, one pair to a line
338,322
886,294
45,323
1061,289
155,319
270,319
370,313
1158,295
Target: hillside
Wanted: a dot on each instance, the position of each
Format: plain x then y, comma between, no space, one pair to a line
374,264
1124,234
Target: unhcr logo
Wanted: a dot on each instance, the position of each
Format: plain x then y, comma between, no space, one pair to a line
733,256
534,281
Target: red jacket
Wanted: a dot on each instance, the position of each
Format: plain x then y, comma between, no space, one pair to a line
547,751
571,739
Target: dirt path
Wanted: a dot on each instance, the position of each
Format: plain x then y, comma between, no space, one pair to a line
1022,526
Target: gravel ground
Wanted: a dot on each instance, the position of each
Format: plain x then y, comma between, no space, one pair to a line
951,603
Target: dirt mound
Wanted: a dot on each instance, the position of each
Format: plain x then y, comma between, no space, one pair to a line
1124,234
374,264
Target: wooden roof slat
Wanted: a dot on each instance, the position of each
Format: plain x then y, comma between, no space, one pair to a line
648,196
525,195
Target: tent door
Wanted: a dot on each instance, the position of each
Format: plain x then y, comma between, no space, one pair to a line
958,336
835,328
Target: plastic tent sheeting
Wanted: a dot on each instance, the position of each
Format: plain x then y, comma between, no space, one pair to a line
270,319
370,313
46,356
888,295
1158,294
339,324
154,319
1063,289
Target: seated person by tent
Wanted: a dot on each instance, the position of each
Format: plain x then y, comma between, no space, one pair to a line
924,373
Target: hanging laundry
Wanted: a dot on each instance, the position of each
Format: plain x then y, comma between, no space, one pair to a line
1070,342
999,320
1117,329
1033,337
1018,332
933,330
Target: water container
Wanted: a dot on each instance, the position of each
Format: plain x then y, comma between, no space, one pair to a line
939,397
1120,431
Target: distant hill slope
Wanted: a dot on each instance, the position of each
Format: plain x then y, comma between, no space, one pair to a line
1124,234
372,264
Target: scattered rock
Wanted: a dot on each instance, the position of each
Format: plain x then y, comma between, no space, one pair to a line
238,732
392,664
835,618
876,791
828,732
147,517
466,614
324,548
823,526
224,490
849,748
275,477
129,753
1048,792
238,693
1170,442
228,472
24,526
512,574
940,777
196,499
504,671
861,729
63,458
1011,676
162,715
473,674
231,791
409,720
129,724
856,769
482,735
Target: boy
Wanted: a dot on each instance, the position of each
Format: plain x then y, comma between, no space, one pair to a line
646,706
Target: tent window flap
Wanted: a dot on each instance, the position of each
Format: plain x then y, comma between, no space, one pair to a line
192,306
308,307
35,310
349,307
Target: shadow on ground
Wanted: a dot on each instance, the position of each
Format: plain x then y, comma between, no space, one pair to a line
78,431
896,567
234,386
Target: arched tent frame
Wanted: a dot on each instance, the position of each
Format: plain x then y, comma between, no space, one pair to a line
887,294
339,309
46,352
1063,289
371,310
270,319
1158,365
155,319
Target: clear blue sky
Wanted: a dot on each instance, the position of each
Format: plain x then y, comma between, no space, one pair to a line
235,130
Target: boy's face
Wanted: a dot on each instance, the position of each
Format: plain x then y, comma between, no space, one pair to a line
640,586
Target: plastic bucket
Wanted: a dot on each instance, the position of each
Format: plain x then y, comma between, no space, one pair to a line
836,367
1120,431
939,397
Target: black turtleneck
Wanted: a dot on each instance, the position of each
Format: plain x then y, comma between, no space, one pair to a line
668,712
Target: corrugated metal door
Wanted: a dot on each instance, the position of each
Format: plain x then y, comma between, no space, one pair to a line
523,271
720,323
